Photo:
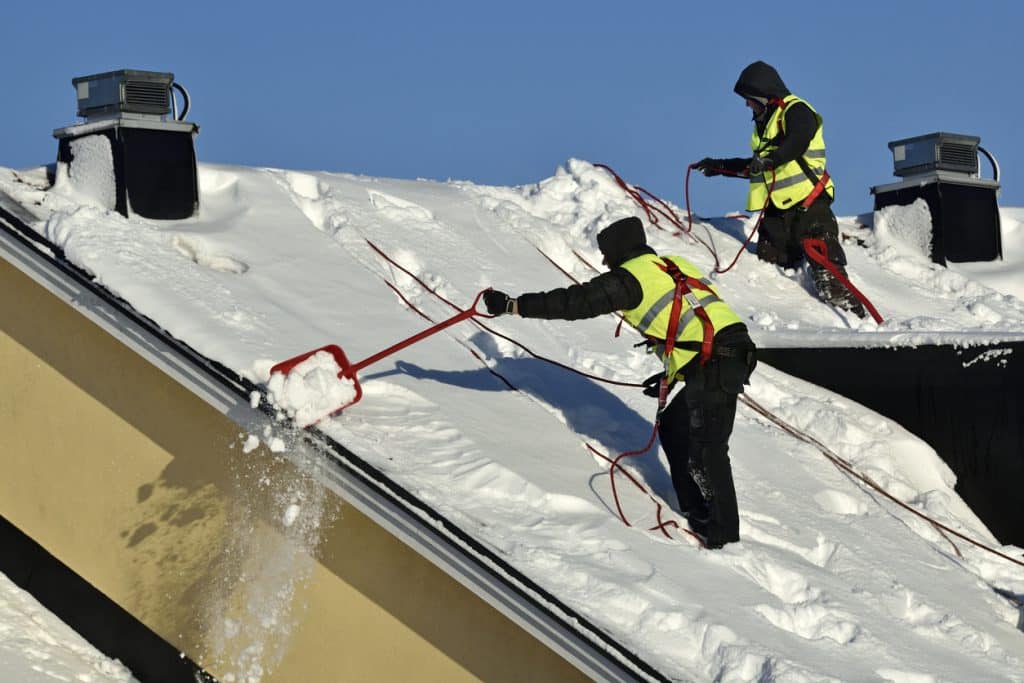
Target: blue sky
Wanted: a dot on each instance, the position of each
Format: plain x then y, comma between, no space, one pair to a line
504,93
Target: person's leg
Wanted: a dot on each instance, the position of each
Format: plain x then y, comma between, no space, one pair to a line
776,242
818,222
674,432
712,413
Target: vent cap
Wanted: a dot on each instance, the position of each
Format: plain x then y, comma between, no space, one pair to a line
935,152
125,91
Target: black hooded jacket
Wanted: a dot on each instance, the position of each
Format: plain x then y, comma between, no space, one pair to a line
616,290
761,82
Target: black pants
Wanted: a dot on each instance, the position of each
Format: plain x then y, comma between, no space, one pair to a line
694,431
781,242
782,231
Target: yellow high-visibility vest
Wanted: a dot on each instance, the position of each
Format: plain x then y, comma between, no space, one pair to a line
651,316
792,180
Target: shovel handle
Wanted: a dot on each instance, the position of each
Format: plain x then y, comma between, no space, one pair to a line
457,318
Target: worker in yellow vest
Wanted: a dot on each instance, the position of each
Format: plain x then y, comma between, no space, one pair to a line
667,298
788,178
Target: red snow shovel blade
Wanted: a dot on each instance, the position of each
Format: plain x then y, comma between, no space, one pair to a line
348,370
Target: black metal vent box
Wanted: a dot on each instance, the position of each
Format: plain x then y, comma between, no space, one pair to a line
935,152
124,91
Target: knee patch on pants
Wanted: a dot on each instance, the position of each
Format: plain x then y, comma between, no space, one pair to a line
696,417
700,477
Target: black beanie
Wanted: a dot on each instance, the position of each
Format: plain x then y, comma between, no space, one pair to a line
622,240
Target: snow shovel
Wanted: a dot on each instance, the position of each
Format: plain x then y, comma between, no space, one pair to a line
348,369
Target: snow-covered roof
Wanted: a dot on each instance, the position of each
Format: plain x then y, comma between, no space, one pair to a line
829,580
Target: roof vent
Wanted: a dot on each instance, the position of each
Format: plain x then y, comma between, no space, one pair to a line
942,169
935,152
135,135
146,93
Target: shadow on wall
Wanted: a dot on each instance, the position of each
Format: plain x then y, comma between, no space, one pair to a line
241,532
246,580
221,540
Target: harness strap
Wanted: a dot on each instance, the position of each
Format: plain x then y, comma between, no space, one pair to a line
819,187
777,140
683,291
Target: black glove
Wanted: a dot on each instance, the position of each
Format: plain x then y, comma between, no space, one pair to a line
710,167
652,385
498,303
760,165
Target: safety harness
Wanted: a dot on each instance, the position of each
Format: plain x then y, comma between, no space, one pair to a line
817,249
683,284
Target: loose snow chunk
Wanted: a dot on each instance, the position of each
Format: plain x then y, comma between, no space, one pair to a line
291,514
312,390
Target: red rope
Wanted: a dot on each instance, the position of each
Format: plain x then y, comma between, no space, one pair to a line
663,393
615,463
426,317
490,330
845,466
817,251
746,242
837,461
653,213
663,210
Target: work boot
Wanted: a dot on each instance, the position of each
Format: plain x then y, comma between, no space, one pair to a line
848,302
831,290
716,538
698,525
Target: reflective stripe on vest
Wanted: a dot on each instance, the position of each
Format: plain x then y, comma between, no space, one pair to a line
791,182
665,301
651,317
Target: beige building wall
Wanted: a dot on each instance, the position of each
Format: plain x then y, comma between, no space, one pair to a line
145,491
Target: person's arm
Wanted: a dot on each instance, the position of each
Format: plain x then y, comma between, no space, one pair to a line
736,166
801,125
616,290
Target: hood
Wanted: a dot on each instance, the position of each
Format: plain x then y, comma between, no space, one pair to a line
762,82
622,240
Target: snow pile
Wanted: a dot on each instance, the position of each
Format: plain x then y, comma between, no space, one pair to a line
90,174
906,229
311,390
37,646
830,580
